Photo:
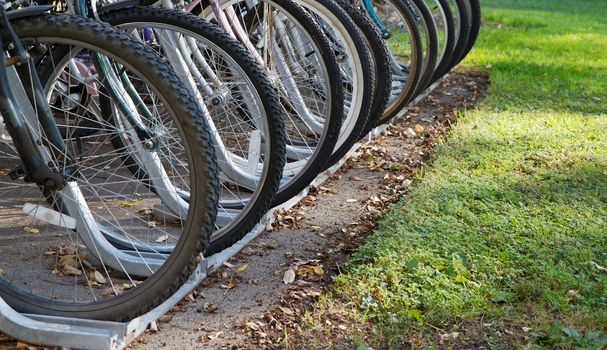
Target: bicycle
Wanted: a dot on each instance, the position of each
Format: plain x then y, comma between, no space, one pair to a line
59,190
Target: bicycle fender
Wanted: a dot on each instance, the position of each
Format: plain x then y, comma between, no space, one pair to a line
120,5
28,11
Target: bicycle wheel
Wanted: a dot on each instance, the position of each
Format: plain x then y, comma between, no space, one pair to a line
443,17
304,72
55,259
461,16
242,106
357,67
427,29
475,26
381,60
406,48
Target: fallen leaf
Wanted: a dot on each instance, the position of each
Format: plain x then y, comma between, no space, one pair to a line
419,129
233,283
315,269
68,270
162,238
285,310
70,260
210,308
303,283
289,276
24,346
215,335
351,200
127,204
50,251
96,276
242,268
599,267
30,230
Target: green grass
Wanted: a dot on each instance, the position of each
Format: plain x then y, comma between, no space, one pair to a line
509,223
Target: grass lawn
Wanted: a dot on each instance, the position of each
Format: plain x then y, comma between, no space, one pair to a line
508,225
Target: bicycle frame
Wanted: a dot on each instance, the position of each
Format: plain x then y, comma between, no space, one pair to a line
15,69
368,5
227,20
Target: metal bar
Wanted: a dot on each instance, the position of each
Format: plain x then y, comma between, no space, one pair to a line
53,334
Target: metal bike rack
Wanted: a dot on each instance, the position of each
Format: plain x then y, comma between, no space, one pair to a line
77,333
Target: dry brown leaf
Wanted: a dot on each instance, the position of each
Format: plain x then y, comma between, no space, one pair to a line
286,310
50,251
315,269
233,283
318,270
70,260
210,308
25,346
68,270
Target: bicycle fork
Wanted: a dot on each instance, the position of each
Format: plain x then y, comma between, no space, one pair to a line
18,68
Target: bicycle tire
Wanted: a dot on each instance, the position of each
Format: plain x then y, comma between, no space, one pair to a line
475,26
381,59
449,40
464,24
347,32
415,66
70,30
430,38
